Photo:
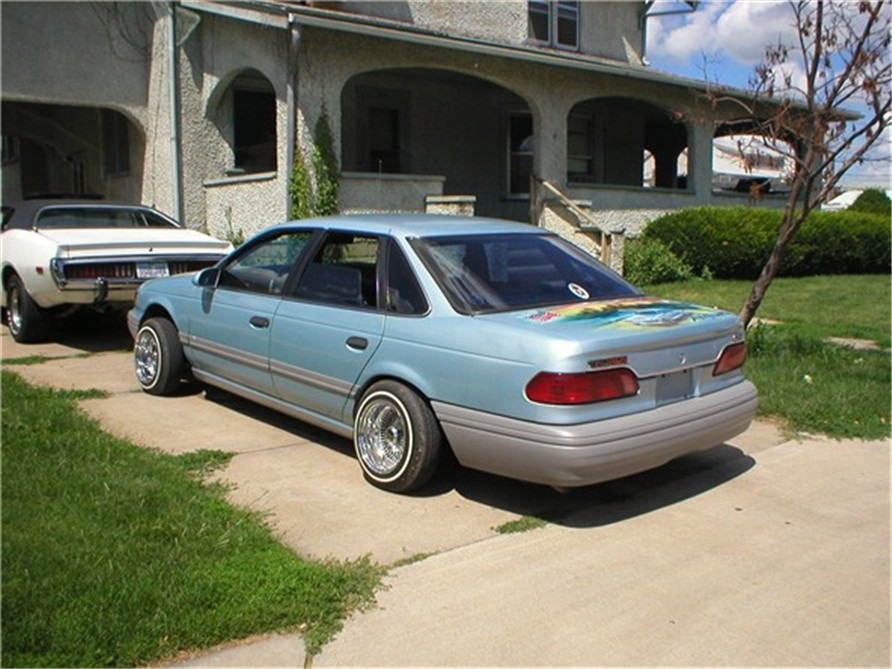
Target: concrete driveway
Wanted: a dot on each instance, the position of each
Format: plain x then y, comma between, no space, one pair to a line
762,551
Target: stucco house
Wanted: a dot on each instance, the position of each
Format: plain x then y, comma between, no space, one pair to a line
201,109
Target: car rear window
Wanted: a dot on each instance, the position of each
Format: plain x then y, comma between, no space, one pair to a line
101,218
503,272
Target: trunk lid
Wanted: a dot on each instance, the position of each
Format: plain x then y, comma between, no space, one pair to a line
74,243
649,335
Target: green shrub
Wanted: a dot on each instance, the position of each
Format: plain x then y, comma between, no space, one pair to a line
316,197
300,189
735,242
649,261
325,164
872,201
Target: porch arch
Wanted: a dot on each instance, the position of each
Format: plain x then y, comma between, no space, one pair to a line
72,149
471,133
608,139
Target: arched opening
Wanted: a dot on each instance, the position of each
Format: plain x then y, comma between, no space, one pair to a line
70,150
624,142
473,135
246,118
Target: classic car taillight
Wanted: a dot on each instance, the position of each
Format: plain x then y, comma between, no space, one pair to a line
582,388
731,358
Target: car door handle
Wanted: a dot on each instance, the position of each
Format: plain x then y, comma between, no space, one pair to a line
359,343
259,322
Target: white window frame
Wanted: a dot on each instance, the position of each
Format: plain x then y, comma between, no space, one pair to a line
555,12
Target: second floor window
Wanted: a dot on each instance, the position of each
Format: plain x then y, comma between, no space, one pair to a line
555,23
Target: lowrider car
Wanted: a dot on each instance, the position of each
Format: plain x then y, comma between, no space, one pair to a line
416,334
59,255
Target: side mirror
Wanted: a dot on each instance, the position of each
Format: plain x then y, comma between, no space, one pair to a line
207,278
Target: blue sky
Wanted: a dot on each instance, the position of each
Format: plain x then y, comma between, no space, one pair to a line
723,41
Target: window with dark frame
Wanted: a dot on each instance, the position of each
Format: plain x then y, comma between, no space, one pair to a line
554,23
520,155
254,129
115,143
580,149
10,149
384,140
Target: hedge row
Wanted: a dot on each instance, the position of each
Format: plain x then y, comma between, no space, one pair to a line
735,242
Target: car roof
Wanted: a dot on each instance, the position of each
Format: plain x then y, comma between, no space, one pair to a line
416,225
21,214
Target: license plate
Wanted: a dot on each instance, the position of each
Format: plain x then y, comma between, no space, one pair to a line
674,387
151,270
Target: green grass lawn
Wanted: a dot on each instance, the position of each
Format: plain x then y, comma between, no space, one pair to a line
115,555
811,385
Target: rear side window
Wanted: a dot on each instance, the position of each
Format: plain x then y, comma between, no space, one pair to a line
404,295
486,273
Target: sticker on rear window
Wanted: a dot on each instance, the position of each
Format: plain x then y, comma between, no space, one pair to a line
578,291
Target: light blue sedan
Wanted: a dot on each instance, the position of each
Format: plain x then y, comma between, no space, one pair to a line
416,334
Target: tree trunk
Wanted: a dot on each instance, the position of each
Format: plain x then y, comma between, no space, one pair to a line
792,221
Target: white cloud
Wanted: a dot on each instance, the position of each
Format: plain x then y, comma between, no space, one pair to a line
738,30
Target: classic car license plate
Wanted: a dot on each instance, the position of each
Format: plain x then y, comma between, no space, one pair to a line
151,270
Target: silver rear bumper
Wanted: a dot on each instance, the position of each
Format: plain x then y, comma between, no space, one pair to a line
578,455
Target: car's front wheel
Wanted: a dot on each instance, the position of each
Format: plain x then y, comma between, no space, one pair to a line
158,357
397,437
27,322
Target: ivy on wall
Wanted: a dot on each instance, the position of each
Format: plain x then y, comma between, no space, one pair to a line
315,193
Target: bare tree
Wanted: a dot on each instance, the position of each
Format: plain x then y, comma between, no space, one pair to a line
803,104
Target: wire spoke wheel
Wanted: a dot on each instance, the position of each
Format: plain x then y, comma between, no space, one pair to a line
158,357
397,438
383,436
147,357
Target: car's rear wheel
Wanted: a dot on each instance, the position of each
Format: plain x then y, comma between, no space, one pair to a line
27,322
397,438
158,357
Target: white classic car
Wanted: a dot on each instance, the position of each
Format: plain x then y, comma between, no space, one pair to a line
60,255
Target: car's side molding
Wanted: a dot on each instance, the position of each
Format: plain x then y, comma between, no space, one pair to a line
228,353
275,404
263,364
313,379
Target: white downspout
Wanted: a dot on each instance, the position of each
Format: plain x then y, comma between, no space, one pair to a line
174,81
291,111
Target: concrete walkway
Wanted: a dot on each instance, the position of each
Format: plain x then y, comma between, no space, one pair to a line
761,551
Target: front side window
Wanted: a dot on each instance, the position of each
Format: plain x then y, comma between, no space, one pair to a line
555,23
264,268
505,272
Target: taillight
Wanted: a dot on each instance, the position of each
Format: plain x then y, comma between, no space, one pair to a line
731,358
582,388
